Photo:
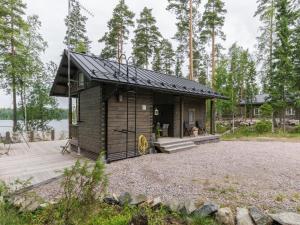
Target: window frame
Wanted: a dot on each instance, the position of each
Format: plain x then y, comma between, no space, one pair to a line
193,121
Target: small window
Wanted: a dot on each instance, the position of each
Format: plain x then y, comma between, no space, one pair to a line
290,112
80,80
191,116
256,111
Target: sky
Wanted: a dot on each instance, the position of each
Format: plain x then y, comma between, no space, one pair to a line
240,25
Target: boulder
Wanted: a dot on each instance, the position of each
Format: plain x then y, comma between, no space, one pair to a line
224,216
259,217
156,202
286,218
111,200
188,207
175,206
139,199
125,198
243,217
206,210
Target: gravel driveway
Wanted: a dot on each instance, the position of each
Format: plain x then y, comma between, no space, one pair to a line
233,173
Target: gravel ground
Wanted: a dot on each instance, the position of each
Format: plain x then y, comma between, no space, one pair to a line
233,173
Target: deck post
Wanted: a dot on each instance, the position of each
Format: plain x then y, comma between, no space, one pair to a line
70,117
181,117
212,116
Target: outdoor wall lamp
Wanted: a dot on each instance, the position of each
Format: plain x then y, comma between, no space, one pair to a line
156,112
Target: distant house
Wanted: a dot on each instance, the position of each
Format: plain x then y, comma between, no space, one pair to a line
259,100
115,103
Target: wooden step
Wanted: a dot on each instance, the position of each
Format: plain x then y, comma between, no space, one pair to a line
175,145
178,149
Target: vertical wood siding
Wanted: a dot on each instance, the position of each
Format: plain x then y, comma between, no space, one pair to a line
91,114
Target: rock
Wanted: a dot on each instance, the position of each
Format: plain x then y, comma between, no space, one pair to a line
206,210
286,218
156,202
224,216
139,199
111,200
243,217
188,207
125,198
175,206
259,217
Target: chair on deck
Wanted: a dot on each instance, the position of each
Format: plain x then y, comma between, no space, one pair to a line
201,128
187,129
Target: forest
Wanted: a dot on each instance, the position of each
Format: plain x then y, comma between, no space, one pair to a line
273,68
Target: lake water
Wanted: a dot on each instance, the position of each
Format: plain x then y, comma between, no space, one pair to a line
58,125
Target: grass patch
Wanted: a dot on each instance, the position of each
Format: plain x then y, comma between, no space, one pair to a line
279,198
249,133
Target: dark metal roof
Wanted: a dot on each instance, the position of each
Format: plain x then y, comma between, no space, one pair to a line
109,71
258,99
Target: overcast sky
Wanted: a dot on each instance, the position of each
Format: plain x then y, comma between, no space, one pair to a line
240,26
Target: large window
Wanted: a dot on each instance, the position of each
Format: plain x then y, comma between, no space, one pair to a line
75,111
191,116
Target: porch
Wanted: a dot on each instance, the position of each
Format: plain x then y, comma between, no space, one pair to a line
173,144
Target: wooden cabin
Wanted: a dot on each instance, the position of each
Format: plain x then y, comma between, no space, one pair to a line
251,109
113,104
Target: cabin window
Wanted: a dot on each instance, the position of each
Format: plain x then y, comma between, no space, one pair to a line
256,111
80,80
290,112
75,111
191,116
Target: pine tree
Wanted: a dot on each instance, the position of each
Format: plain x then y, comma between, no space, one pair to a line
281,81
146,38
164,58
168,57
211,28
181,10
76,29
118,33
266,13
32,64
12,25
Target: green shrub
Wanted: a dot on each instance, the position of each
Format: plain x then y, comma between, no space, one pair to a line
263,126
296,130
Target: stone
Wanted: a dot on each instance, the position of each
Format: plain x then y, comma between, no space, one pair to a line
111,200
206,210
259,217
156,202
224,216
286,218
125,198
175,206
139,199
243,217
188,207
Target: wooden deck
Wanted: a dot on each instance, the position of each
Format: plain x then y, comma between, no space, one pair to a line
43,161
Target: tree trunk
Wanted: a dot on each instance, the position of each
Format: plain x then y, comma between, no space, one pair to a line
213,62
14,102
191,42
